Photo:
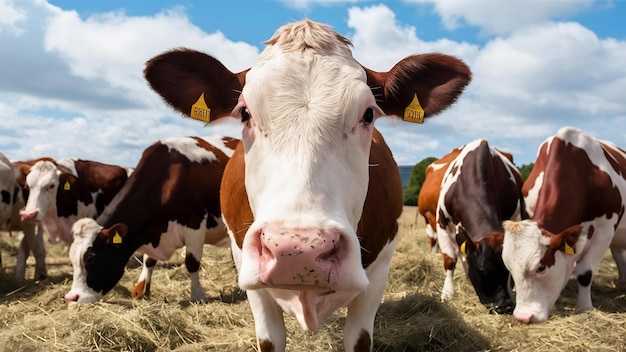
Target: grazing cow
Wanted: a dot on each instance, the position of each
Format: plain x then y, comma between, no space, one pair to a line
312,195
66,190
429,195
14,193
575,196
480,189
171,200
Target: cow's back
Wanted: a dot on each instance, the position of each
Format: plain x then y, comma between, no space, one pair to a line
382,207
108,179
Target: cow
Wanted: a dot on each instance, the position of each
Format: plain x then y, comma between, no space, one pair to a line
14,193
429,195
312,194
65,190
480,188
575,196
8,189
171,200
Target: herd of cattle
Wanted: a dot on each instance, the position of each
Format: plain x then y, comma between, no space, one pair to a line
309,199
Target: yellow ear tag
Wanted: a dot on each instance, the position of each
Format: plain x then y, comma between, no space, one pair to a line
463,248
200,111
414,112
117,239
568,249
66,186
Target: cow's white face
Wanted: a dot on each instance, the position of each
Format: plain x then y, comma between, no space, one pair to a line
84,232
537,285
307,136
43,183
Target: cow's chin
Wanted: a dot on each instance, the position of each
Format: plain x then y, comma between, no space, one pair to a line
252,282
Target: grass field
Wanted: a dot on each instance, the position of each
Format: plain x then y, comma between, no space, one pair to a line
34,316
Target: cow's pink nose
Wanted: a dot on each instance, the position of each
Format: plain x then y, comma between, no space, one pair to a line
526,319
71,297
28,214
296,257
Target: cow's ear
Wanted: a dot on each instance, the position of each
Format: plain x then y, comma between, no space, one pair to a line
196,84
465,243
564,241
115,234
419,86
66,181
569,238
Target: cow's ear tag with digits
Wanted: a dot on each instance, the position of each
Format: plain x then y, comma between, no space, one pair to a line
463,248
568,249
117,239
200,111
414,112
66,186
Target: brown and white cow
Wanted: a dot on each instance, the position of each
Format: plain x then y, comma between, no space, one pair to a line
171,200
576,197
312,195
65,190
480,189
429,195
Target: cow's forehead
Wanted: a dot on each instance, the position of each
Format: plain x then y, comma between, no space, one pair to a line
42,171
305,63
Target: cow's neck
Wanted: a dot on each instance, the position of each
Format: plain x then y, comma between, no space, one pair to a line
58,229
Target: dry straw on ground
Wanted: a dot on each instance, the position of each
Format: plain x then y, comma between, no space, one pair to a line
411,318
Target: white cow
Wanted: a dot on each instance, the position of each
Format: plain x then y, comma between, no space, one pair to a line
13,196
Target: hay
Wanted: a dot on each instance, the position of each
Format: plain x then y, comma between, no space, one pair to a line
33,316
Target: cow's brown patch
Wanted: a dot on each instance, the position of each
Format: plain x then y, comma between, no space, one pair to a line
364,342
448,262
266,346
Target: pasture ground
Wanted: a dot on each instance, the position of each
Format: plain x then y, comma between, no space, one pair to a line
34,317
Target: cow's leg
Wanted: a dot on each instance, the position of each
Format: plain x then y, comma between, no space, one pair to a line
587,265
142,287
619,255
39,251
449,253
359,326
194,245
22,254
32,241
269,323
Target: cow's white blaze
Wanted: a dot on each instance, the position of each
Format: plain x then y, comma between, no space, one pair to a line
84,232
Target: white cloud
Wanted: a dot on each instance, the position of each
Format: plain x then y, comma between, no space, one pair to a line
503,16
379,47
12,17
73,87
525,86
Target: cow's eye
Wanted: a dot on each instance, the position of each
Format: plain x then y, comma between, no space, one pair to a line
89,256
541,269
245,114
368,116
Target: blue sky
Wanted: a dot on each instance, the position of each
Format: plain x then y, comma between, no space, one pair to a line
71,83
